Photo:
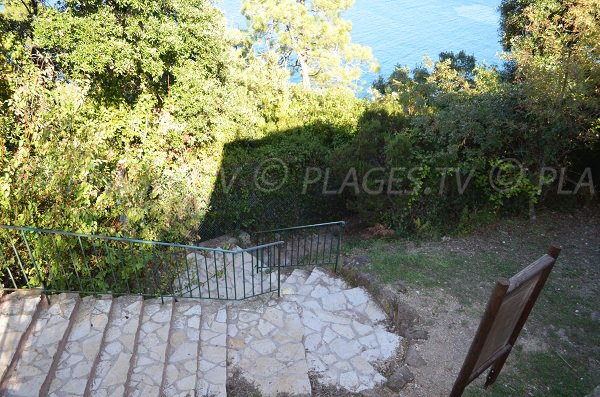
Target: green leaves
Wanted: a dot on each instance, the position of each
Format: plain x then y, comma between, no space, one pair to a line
310,38
127,48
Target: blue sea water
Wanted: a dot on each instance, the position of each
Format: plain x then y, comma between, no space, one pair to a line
403,31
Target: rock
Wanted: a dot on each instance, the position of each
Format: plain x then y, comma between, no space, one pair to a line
417,334
595,392
349,380
399,379
400,286
219,242
359,261
389,294
414,359
595,316
244,239
406,316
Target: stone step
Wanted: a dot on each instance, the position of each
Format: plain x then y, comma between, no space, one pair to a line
182,352
151,349
265,344
320,277
294,282
17,311
228,276
110,373
302,283
131,347
41,350
322,291
343,351
353,303
212,358
83,345
344,332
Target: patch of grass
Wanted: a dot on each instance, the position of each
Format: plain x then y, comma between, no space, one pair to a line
350,244
460,274
536,374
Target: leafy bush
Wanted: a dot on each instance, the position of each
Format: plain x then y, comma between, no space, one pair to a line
261,183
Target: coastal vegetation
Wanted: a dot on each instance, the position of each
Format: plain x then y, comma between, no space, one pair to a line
121,117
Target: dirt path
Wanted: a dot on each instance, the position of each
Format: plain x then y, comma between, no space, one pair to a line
451,331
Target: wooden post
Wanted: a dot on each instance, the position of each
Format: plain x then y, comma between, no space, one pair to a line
480,337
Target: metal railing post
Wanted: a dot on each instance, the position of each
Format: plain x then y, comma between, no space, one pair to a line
37,269
339,246
279,273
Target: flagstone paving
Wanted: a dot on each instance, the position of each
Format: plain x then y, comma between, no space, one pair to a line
111,371
127,346
265,343
212,357
182,353
83,344
35,361
149,358
343,334
16,312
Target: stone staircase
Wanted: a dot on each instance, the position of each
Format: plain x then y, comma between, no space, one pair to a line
126,346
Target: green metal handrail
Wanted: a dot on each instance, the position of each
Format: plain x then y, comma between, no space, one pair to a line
309,245
60,261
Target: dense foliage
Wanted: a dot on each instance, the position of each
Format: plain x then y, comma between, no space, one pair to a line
457,122
116,114
122,116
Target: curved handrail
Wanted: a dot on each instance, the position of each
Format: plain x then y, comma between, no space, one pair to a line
78,262
137,241
317,225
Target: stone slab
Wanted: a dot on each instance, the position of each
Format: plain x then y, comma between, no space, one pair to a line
40,348
265,343
16,313
212,358
182,353
83,345
110,375
149,360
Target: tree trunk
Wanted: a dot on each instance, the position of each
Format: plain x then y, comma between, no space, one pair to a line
304,70
532,216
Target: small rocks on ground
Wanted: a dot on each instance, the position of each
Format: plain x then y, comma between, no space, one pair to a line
400,286
359,261
414,359
400,378
417,334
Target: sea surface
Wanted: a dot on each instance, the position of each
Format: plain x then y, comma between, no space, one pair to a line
404,31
